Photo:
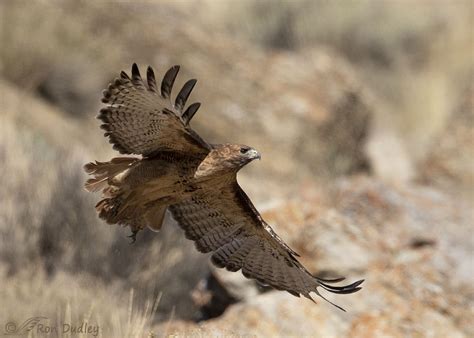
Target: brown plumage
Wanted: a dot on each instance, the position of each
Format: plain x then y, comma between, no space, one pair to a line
195,180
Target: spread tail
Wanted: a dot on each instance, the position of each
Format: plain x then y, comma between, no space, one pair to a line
103,172
119,205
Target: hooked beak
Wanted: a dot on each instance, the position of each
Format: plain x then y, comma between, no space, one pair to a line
254,154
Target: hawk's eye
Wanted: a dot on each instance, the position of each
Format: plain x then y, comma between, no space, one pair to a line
244,150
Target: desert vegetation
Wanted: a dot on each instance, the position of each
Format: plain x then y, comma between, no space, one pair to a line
363,113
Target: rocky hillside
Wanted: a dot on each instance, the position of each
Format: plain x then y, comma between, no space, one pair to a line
410,243
366,137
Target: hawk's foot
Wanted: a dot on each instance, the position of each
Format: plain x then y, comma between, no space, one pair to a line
133,236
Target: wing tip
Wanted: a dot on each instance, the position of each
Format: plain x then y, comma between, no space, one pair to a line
190,112
124,75
344,289
184,93
168,81
135,70
151,80
294,293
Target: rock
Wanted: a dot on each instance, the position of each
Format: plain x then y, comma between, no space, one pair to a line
212,296
387,153
305,129
412,244
449,163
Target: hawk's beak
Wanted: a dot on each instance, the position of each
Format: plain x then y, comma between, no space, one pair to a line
255,154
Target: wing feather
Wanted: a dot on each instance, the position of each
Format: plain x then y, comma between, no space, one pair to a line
137,78
189,113
183,94
221,219
236,260
138,120
151,80
168,81
216,239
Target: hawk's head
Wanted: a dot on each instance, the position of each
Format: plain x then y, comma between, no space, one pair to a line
235,156
240,154
227,157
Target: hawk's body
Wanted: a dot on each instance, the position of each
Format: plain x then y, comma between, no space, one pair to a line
195,180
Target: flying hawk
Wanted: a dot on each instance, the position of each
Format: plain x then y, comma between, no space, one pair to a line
195,180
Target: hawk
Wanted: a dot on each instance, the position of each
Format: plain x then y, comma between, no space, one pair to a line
172,168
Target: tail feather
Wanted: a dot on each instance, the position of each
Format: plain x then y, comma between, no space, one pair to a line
154,217
106,178
119,204
102,172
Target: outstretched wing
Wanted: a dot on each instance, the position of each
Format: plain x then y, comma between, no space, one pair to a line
140,120
223,220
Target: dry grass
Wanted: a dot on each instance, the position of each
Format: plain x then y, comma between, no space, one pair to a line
73,300
48,225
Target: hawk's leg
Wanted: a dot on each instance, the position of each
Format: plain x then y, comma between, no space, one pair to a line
133,236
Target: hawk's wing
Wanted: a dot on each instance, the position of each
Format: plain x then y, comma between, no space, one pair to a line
224,221
140,120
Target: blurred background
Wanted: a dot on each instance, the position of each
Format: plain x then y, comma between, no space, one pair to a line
362,110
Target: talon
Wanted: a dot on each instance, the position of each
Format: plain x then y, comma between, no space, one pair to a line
133,236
